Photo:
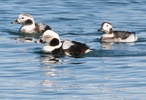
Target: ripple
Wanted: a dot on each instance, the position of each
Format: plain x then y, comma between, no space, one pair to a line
67,19
110,72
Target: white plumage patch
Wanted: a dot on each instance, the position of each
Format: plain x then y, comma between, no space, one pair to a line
67,44
88,50
106,27
67,53
108,35
42,26
48,49
51,33
28,29
131,38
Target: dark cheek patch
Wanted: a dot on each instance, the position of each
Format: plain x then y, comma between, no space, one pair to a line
54,42
28,22
111,30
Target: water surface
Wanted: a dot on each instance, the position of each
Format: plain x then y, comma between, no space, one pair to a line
114,73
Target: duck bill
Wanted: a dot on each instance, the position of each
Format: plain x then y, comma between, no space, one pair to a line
40,41
100,30
15,22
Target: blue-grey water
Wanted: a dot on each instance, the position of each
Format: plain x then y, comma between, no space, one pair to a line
117,72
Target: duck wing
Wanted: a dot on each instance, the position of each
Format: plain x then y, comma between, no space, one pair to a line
41,27
75,48
122,34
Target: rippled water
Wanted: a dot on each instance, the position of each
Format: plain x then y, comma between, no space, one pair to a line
115,73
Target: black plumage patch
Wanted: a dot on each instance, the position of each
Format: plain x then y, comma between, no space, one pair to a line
77,49
41,41
58,52
48,28
111,31
28,22
54,42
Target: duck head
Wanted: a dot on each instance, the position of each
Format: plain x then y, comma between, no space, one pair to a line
24,19
106,27
51,41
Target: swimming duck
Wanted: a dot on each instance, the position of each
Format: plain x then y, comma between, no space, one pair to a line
29,26
116,36
55,46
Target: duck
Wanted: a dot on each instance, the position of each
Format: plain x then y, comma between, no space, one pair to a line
55,46
109,35
29,26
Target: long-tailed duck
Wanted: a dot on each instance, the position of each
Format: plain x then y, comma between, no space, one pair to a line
116,36
55,46
29,26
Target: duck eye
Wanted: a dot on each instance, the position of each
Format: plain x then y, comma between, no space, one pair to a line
47,37
22,17
106,25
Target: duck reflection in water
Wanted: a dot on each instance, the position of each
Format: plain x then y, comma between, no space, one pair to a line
49,59
107,45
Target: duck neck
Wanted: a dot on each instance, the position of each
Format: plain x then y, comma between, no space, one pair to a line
49,48
108,35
